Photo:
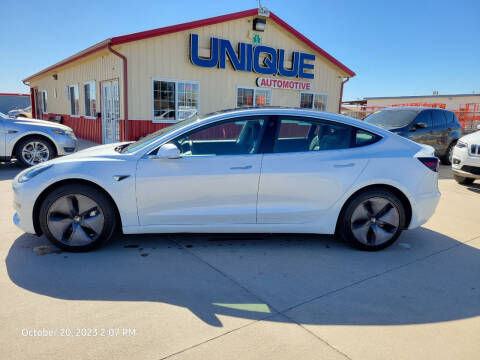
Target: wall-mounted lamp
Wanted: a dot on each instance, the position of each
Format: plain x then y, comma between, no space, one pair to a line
259,24
55,76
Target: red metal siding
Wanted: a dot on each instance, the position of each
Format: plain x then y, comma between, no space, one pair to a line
89,129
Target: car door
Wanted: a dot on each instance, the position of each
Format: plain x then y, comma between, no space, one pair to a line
215,181
422,135
439,131
312,164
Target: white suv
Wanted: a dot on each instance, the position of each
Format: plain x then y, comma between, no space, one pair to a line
466,158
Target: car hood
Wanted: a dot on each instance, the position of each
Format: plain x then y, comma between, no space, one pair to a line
37,122
95,153
473,138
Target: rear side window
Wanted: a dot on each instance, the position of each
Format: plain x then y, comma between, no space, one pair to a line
363,138
439,120
303,134
451,118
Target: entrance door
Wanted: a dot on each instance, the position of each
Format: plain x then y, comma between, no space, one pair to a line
38,105
3,133
110,112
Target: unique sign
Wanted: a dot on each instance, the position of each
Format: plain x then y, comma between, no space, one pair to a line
284,84
248,58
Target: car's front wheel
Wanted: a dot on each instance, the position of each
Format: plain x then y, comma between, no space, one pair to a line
463,180
372,220
448,157
77,217
34,150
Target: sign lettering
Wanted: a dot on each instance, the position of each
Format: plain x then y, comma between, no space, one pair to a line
248,58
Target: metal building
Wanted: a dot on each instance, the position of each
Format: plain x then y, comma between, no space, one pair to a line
128,86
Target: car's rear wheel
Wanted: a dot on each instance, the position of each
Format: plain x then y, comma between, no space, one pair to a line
77,217
463,180
34,150
372,220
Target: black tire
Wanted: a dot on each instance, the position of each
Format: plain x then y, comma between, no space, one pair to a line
29,140
105,207
463,180
446,159
345,223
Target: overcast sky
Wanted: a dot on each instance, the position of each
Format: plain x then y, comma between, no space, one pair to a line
395,47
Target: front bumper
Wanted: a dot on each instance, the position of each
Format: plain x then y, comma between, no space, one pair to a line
463,161
23,205
465,174
66,145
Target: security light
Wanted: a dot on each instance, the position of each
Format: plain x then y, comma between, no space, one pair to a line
259,24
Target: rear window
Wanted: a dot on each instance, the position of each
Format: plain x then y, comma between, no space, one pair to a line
391,119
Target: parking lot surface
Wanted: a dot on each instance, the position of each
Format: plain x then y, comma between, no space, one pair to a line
246,297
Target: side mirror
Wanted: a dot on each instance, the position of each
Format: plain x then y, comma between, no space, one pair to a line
420,125
168,151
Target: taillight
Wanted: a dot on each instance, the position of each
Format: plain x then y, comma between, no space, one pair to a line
430,162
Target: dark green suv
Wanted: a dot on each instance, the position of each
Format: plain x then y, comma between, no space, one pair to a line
435,127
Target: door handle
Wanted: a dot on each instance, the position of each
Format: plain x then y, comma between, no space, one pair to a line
344,165
241,167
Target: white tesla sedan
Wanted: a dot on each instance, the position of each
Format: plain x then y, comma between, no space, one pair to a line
270,170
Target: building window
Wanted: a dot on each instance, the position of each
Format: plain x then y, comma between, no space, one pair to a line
44,102
313,101
90,98
72,93
175,100
253,97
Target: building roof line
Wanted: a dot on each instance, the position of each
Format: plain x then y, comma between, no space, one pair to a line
13,94
419,96
117,40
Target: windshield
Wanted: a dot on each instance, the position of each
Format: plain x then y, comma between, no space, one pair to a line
392,119
147,140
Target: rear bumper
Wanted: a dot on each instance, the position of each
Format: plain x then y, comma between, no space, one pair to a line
424,208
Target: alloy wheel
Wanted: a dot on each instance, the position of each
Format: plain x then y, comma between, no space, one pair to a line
375,221
75,220
450,154
35,152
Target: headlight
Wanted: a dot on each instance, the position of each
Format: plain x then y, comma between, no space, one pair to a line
31,173
461,145
69,133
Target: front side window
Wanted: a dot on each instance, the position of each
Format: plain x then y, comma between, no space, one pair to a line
72,92
90,99
44,101
424,117
302,135
314,101
175,100
235,137
253,97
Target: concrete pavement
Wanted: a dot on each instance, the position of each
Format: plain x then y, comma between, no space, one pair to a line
247,297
